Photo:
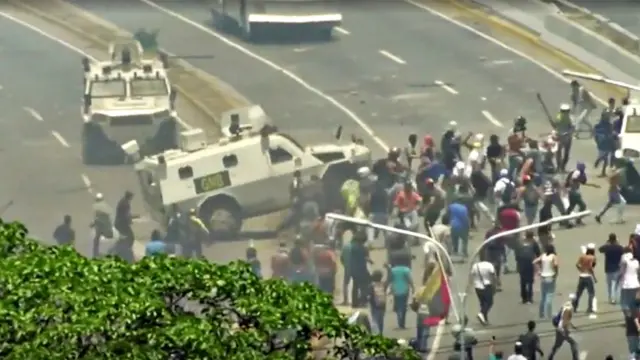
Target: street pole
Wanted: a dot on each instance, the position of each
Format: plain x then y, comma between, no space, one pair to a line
427,239
463,295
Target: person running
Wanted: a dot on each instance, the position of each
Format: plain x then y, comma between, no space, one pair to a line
401,288
378,300
629,283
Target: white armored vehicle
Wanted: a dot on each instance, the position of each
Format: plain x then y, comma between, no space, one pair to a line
243,175
275,20
126,98
630,129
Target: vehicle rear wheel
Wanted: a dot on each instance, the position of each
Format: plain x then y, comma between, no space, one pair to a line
223,217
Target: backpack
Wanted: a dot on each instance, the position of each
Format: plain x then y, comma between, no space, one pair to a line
555,321
379,295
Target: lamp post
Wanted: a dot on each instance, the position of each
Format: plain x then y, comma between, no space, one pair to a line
463,295
424,237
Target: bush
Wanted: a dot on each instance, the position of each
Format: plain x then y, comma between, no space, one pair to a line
56,304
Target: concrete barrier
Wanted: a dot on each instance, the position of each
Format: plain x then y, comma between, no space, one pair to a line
595,43
205,92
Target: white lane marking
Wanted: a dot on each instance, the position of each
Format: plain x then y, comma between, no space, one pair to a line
483,98
301,50
583,355
435,344
60,139
87,183
448,88
341,30
276,67
1,87
33,113
68,46
392,57
501,62
492,119
495,41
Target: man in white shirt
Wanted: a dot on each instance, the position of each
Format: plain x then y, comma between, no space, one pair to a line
483,274
629,283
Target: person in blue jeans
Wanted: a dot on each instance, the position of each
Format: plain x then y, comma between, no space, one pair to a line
378,300
401,288
459,220
613,252
548,265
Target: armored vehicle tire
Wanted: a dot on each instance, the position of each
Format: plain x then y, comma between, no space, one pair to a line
165,138
97,149
223,217
332,181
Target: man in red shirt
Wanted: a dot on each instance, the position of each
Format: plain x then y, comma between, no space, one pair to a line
509,219
407,203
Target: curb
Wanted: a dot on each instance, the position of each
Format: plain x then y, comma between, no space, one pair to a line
232,101
529,35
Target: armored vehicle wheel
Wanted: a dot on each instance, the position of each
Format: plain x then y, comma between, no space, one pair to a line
332,181
223,216
165,138
97,149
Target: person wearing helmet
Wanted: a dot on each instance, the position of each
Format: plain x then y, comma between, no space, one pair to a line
563,126
520,125
582,104
102,225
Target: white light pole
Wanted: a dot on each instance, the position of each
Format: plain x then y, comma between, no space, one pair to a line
424,237
463,295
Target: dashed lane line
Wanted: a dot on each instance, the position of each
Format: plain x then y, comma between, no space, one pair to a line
60,138
36,115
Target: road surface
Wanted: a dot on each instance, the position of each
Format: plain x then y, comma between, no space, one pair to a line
624,12
408,79
44,174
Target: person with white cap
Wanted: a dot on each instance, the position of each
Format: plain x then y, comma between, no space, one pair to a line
586,278
517,352
504,189
563,322
102,225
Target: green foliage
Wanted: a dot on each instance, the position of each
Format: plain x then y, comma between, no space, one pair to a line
56,304
148,39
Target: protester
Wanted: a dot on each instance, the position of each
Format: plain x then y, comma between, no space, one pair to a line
613,252
484,279
378,300
530,342
630,285
632,332
548,269
586,278
359,269
401,283
526,253
563,322
459,219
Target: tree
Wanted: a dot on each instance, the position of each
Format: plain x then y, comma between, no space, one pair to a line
56,304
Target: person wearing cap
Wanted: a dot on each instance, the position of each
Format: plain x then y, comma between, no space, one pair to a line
102,225
586,278
563,125
504,189
517,352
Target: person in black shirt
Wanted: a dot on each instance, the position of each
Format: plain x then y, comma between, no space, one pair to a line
64,234
530,342
613,252
495,153
632,327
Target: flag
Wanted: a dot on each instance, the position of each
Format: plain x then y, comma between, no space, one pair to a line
435,296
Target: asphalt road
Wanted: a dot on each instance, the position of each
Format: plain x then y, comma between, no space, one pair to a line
624,12
389,79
